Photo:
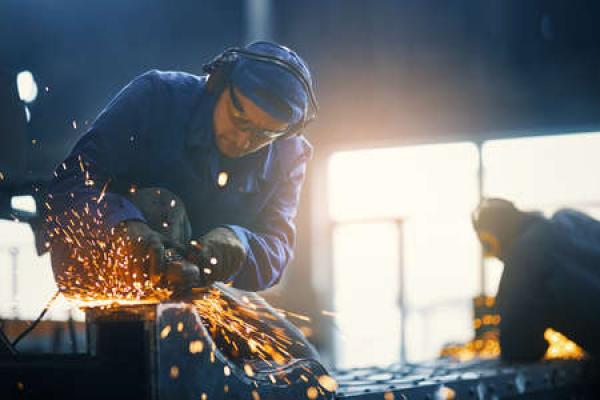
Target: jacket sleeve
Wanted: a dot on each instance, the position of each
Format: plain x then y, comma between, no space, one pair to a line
270,243
104,156
522,300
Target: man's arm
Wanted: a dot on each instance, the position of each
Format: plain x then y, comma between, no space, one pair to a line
270,243
84,180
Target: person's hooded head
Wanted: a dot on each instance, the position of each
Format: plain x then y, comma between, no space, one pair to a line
497,223
260,100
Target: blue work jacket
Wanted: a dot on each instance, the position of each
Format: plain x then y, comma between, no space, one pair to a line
158,132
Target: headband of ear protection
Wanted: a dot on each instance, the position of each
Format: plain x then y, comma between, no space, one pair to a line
220,69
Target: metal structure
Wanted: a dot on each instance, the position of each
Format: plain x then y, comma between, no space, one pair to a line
480,379
164,351
160,351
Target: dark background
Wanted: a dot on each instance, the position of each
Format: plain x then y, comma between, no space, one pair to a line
387,71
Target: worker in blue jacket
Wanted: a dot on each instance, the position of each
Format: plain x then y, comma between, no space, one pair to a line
551,276
228,143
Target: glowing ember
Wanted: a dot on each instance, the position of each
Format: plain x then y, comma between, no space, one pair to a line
196,346
165,332
561,346
312,393
248,370
328,383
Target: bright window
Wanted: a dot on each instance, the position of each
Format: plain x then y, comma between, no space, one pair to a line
406,206
26,280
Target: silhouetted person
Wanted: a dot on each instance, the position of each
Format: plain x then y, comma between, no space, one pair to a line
551,276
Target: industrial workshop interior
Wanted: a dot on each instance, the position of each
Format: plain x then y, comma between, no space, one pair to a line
318,199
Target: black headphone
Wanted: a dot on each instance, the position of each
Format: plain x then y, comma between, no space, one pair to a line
220,68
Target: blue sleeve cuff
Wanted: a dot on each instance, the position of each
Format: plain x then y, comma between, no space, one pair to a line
241,234
120,209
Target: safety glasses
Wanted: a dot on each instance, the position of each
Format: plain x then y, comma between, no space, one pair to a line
243,124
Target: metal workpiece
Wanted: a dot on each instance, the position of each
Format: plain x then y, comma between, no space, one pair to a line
183,362
477,379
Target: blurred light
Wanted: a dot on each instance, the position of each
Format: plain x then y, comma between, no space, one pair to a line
26,86
27,114
23,203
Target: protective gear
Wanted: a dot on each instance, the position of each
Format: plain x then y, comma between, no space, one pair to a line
166,234
220,252
147,245
274,77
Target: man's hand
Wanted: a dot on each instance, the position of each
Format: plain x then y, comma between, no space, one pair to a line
148,247
221,251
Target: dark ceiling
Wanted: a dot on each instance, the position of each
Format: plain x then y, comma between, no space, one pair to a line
387,70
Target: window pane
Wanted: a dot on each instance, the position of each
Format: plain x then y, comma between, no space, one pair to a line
366,294
397,182
24,294
432,189
544,171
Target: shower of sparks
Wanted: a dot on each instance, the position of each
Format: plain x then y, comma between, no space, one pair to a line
241,326
101,269
98,266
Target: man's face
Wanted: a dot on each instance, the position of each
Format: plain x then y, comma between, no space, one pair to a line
241,127
490,244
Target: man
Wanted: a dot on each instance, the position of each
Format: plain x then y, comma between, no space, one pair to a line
227,143
551,276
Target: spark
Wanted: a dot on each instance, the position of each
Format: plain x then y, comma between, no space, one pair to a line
222,178
248,370
196,346
312,393
328,383
165,332
213,261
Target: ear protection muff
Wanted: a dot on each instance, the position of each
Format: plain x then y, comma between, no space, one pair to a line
219,70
